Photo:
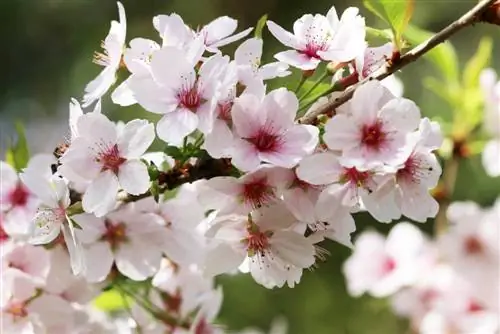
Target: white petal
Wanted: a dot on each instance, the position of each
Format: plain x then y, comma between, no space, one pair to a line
74,249
219,28
138,260
341,132
99,260
100,196
319,169
491,158
123,94
282,35
171,68
231,39
402,114
281,108
174,126
244,155
222,259
136,137
41,187
97,128
248,116
298,60
133,177
99,86
45,227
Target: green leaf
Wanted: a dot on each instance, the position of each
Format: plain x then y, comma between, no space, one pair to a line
477,63
260,26
397,13
384,34
174,152
18,155
111,300
443,56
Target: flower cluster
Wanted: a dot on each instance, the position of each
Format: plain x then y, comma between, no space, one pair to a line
449,285
242,185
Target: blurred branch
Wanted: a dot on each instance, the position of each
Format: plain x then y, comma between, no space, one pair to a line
472,16
449,178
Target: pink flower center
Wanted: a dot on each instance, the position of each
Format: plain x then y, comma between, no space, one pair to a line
428,297
474,307
111,159
17,309
190,98
373,136
224,111
115,234
388,266
266,141
3,235
473,246
258,193
203,327
19,195
257,242
355,176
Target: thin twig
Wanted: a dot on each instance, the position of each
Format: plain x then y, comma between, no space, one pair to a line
467,19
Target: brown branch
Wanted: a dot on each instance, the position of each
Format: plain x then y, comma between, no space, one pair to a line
469,18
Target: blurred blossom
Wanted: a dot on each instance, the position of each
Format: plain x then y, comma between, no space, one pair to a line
491,121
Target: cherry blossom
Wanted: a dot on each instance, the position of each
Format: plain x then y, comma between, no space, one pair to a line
17,203
316,38
261,244
129,239
491,90
137,59
266,131
348,187
374,131
108,159
113,46
186,99
248,59
219,32
253,190
381,266
181,241
52,216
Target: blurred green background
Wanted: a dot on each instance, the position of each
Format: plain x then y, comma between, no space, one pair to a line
47,48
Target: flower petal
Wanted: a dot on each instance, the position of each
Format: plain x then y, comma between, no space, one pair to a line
100,196
133,177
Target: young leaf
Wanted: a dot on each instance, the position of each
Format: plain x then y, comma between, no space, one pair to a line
396,13
260,26
443,57
111,300
18,155
477,63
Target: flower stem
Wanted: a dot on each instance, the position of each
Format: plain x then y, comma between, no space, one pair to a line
301,83
316,84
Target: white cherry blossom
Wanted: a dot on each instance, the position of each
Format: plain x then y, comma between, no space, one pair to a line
219,32
248,59
374,131
317,37
52,216
260,243
113,46
129,239
108,159
348,187
186,98
381,266
265,131
490,86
